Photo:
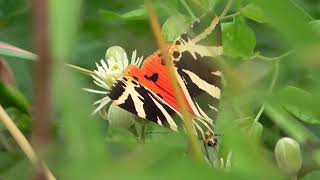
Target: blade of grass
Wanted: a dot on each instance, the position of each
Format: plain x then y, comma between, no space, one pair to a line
23,142
155,25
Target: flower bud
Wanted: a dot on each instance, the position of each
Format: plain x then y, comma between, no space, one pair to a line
120,118
114,51
288,155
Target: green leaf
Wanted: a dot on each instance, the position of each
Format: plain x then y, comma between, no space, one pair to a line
12,51
11,97
301,106
238,39
253,12
137,14
110,16
162,8
166,7
289,19
315,26
174,26
213,3
312,175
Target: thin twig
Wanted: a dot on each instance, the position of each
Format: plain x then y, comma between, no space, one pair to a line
42,86
271,87
229,16
226,9
195,148
42,89
23,142
186,6
302,10
261,57
200,4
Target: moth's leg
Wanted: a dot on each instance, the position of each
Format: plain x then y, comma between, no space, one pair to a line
207,153
134,131
143,133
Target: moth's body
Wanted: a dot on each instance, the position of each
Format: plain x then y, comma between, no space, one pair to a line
148,93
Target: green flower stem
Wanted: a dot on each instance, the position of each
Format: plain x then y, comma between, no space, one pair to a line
302,10
271,87
275,75
229,16
200,4
226,9
185,5
261,57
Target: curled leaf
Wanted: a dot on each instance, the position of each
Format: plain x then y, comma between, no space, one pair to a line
13,51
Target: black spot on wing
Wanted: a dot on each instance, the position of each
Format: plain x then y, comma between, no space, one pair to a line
185,37
134,82
159,95
135,78
117,90
153,77
176,54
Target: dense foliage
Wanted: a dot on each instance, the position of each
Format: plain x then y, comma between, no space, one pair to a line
271,90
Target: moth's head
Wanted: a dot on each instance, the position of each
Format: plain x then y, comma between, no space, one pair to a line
212,140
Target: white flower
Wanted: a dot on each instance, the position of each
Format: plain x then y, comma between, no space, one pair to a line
109,70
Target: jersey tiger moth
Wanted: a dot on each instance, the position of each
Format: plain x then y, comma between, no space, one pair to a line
147,93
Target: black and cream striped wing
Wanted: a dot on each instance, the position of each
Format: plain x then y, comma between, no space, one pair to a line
132,96
198,75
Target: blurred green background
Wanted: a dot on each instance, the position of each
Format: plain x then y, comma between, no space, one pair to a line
272,83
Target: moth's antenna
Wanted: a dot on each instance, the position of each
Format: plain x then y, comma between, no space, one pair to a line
218,134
